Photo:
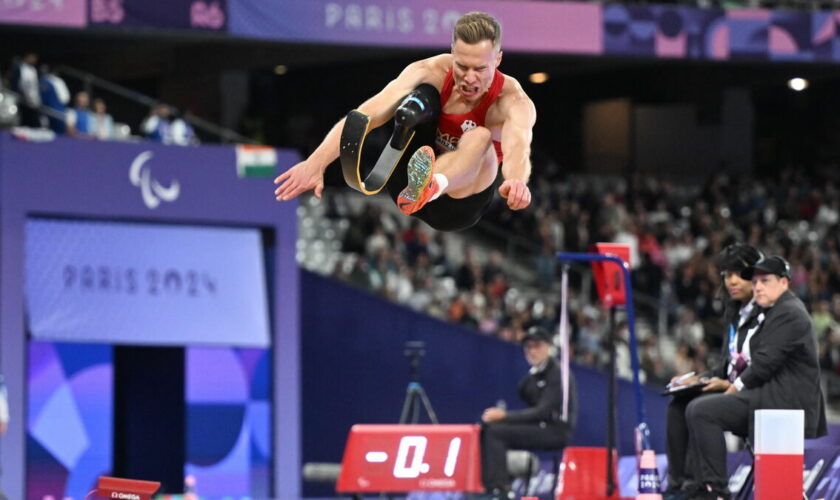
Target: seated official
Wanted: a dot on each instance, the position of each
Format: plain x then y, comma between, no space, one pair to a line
781,372
740,315
541,426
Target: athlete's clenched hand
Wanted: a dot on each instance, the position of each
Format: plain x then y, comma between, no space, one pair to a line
517,193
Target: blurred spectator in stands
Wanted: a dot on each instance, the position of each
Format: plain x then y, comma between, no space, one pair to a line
80,117
688,331
469,273
415,241
589,335
701,358
651,361
627,234
55,96
498,285
649,276
832,280
829,352
181,133
377,242
489,322
423,267
358,274
828,214
679,250
354,241
544,314
623,361
546,266
103,123
437,254
422,297
578,230
23,79
8,107
493,267
401,283
822,318
156,126
687,284
460,311
683,361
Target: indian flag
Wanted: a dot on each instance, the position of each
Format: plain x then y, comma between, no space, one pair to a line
255,161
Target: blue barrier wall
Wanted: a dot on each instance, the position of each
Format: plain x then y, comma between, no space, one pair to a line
354,371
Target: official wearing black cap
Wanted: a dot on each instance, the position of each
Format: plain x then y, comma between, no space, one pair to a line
782,372
773,265
540,425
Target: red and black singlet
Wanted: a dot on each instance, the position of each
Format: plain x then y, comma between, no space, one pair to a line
452,126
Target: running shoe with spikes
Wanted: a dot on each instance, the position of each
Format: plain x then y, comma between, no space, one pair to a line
421,182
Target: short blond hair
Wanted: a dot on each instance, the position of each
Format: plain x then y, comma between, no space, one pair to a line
475,27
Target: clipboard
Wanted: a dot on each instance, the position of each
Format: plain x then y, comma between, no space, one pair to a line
693,389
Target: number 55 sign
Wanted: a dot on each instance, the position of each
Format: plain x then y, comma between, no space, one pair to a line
400,458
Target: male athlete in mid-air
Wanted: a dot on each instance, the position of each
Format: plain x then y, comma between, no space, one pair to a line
484,125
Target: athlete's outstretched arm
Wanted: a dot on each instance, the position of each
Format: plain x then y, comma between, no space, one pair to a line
309,174
517,132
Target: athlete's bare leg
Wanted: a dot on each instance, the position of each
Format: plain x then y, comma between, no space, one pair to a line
468,170
472,167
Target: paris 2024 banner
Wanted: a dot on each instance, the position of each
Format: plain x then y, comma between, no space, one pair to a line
663,31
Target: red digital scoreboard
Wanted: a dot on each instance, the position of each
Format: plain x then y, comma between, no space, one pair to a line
402,458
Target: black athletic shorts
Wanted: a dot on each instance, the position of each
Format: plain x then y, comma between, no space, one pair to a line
445,213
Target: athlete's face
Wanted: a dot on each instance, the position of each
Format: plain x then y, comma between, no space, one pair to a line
473,66
739,288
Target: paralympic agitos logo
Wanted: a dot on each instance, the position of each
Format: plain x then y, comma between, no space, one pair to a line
153,192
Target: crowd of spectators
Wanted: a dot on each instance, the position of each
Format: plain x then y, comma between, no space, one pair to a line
412,265
40,99
674,232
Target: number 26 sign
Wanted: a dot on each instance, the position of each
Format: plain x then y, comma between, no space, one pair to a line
399,458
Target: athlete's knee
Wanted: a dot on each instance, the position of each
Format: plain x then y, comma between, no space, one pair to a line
478,138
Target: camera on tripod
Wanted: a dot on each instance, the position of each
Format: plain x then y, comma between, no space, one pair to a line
415,396
414,350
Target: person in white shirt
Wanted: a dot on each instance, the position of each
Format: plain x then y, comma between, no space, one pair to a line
102,124
24,81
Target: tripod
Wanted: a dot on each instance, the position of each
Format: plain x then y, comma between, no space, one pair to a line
415,396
